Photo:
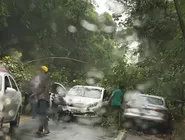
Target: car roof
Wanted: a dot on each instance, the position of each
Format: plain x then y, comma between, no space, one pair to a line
3,73
154,96
92,87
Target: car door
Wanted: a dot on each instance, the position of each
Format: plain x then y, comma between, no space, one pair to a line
17,98
56,89
8,103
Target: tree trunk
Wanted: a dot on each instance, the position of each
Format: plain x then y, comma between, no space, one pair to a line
180,18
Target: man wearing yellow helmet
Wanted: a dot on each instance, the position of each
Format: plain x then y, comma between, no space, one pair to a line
40,86
44,68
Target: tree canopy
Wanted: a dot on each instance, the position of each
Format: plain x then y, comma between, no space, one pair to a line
49,32
55,29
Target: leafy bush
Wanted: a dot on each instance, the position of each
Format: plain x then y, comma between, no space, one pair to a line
19,71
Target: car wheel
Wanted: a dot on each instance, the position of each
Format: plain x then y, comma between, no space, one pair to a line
128,124
67,118
168,128
15,123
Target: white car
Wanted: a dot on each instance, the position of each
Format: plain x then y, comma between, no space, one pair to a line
146,110
85,100
10,99
56,89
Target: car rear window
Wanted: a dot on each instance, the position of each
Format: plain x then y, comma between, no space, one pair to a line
154,101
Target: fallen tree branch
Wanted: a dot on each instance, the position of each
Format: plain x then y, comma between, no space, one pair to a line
64,58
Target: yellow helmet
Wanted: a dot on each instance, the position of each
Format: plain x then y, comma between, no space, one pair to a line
44,68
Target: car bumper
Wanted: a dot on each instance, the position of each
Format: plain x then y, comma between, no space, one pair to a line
144,117
82,112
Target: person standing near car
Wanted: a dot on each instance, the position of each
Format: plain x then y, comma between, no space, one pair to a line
116,102
41,92
116,99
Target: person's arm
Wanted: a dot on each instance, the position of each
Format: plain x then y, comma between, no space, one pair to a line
110,99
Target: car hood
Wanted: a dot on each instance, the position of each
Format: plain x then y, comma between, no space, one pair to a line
80,101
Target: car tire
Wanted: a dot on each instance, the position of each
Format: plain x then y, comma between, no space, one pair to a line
15,123
128,124
67,118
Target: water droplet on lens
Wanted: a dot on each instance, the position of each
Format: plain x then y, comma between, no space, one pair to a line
72,29
7,101
11,113
90,81
89,26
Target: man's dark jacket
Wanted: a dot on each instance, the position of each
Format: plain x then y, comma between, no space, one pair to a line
40,86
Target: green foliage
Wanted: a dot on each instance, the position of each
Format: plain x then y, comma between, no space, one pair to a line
161,47
61,76
58,28
17,69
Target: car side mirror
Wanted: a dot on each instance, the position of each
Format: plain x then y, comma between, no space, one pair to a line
10,90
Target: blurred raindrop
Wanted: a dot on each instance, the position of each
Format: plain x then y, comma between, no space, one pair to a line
32,6
89,26
7,138
11,113
60,91
108,29
95,73
137,23
1,106
7,101
54,26
102,111
144,86
6,130
115,6
144,126
154,131
90,81
102,18
1,133
72,29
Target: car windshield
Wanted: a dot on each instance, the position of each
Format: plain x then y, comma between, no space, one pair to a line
85,92
76,91
154,101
